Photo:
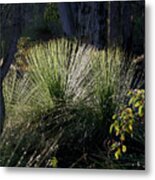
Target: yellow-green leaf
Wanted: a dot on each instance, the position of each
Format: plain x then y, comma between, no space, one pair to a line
111,128
124,148
140,111
122,138
114,116
129,93
54,162
113,146
118,153
131,101
137,104
117,132
130,127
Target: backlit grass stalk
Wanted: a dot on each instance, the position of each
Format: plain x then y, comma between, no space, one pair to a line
69,88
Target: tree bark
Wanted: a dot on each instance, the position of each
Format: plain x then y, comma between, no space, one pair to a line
67,19
2,109
114,24
85,20
127,26
9,58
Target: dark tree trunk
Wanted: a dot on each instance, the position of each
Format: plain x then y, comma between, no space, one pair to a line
85,20
67,18
9,58
114,25
127,26
2,108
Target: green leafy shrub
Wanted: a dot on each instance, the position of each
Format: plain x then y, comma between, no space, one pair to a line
127,120
53,162
52,19
24,43
51,13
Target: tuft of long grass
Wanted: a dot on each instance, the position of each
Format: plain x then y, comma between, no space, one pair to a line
63,104
61,68
113,74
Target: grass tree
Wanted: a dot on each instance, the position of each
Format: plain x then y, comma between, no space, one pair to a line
65,99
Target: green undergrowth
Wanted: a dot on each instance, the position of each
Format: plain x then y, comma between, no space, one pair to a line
59,112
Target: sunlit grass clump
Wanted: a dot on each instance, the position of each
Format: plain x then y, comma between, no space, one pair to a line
62,106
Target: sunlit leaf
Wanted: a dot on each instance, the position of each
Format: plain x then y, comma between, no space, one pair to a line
124,148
